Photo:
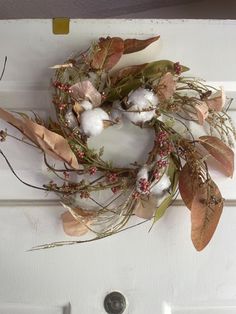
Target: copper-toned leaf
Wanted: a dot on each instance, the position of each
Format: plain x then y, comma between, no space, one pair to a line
145,206
73,227
206,210
202,112
187,185
166,86
86,90
133,45
107,53
217,100
132,70
220,151
50,142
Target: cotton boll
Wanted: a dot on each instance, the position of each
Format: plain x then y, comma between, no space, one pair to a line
158,187
86,105
91,121
142,174
142,98
139,117
101,114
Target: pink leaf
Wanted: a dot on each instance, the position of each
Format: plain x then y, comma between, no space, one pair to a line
86,90
145,206
73,227
202,112
220,151
166,86
217,100
107,53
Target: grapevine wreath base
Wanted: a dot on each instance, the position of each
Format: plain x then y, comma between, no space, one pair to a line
90,96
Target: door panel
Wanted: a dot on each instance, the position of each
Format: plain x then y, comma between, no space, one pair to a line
32,309
155,271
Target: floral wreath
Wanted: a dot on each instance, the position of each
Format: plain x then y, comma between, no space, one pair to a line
88,97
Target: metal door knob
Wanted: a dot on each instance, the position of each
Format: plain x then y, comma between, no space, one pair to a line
115,303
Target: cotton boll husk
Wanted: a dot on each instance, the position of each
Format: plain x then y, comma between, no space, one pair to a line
142,98
116,111
158,187
91,121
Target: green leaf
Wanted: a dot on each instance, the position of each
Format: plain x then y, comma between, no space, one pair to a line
156,69
162,208
121,91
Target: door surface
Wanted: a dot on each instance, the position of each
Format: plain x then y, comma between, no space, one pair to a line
157,272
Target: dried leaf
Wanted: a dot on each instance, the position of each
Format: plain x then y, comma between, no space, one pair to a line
220,151
145,206
73,227
134,45
126,72
187,185
86,90
206,204
61,66
206,210
166,86
107,53
217,100
50,142
202,112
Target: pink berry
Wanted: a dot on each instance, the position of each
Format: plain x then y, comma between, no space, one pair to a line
92,170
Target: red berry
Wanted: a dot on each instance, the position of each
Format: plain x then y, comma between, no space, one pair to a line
92,170
177,68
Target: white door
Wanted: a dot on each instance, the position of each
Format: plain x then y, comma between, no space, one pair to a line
157,272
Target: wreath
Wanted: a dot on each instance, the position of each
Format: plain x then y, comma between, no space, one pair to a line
90,96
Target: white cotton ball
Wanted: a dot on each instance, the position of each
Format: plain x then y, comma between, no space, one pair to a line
139,117
142,98
158,187
86,105
143,173
91,121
